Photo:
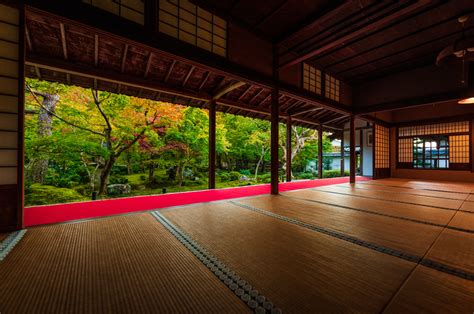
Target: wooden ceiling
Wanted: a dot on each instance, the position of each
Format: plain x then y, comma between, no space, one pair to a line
353,40
72,53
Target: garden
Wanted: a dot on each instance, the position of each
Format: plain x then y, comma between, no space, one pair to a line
83,145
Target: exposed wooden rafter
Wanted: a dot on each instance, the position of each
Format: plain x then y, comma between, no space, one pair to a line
124,58
227,89
63,40
188,75
366,29
148,65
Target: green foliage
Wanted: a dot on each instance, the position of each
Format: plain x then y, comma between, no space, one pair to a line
45,194
172,153
234,175
333,173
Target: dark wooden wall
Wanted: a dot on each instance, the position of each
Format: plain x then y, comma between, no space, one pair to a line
11,115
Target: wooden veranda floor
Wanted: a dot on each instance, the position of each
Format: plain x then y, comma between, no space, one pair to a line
378,246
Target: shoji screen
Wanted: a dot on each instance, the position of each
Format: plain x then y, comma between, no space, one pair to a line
382,151
11,116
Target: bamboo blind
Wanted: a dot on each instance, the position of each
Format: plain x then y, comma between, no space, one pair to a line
405,150
183,20
459,149
9,92
311,79
332,86
382,147
432,129
133,10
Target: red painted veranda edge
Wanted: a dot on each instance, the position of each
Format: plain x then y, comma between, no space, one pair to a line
48,214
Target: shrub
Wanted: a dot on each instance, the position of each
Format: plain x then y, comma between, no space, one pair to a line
118,180
224,176
143,177
234,175
264,178
245,172
305,175
45,194
331,173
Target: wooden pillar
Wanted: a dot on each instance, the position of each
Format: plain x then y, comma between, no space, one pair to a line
212,144
352,150
12,91
275,117
343,160
361,151
320,151
288,149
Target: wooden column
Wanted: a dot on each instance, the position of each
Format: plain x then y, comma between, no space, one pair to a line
361,151
212,144
288,149
343,160
275,117
352,150
12,91
320,152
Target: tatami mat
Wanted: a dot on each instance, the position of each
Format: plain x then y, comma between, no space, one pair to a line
126,264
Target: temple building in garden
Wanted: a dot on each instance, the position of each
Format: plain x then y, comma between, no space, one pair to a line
391,81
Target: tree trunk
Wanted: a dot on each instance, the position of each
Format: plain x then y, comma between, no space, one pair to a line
151,172
45,129
104,176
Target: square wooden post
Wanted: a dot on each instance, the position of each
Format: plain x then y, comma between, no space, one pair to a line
343,161
275,119
352,130
288,149
212,144
320,151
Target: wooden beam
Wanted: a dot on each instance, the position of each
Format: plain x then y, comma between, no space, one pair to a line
245,92
111,76
63,40
335,119
212,145
315,22
188,75
148,65
37,72
288,148
255,96
320,152
265,99
271,14
93,21
169,71
275,120
306,111
352,169
415,102
96,50
124,58
28,39
227,89
363,30
206,77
